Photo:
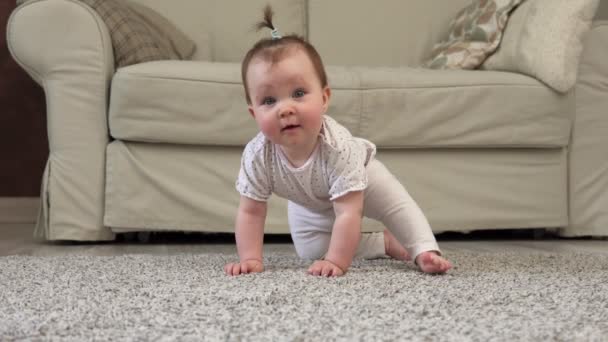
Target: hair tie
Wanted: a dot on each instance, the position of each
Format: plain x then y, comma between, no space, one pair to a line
275,34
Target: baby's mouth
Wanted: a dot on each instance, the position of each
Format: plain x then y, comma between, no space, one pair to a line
289,127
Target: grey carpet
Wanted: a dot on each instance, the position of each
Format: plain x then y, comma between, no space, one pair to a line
186,297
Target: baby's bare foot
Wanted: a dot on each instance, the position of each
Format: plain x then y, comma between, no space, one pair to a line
393,248
431,262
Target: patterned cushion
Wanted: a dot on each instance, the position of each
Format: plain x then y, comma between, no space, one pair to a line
474,34
544,39
135,34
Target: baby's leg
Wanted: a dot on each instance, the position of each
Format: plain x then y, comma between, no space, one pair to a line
387,200
393,248
311,234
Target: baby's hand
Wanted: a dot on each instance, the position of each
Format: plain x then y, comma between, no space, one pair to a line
247,266
325,268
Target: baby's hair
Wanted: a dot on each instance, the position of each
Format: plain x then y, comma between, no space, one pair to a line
274,49
267,21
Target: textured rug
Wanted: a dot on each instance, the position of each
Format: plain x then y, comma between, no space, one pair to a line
188,298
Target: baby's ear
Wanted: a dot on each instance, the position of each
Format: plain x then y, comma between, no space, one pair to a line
251,111
326,96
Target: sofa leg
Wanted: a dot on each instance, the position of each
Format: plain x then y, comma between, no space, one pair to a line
538,233
144,237
141,237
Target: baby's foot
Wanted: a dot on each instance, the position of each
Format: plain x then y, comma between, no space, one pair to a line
431,262
393,248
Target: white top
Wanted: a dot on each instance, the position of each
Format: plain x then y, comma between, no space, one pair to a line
336,167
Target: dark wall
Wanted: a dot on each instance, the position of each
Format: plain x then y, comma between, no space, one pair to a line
23,137
602,12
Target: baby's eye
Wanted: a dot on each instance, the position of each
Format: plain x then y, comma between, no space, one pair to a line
268,101
298,93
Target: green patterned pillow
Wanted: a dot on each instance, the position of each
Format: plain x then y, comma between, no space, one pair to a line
474,34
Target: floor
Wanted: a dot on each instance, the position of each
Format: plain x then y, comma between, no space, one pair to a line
17,239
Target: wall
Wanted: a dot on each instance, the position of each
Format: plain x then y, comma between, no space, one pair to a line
23,137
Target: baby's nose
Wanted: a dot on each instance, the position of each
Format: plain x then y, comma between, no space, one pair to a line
286,110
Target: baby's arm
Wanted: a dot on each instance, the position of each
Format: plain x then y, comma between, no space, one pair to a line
345,236
249,233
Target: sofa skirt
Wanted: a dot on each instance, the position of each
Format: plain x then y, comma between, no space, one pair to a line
191,188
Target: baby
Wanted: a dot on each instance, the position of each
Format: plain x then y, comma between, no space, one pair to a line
330,178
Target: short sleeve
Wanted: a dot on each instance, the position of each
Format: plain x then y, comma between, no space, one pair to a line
253,181
347,169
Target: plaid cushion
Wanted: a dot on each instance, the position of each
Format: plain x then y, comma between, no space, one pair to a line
140,34
131,39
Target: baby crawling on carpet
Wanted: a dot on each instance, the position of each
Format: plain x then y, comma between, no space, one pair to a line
330,178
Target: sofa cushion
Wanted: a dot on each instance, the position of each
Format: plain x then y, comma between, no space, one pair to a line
196,102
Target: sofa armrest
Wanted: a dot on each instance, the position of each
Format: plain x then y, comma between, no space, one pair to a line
588,157
65,46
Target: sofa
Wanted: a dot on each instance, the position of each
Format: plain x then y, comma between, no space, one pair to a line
156,146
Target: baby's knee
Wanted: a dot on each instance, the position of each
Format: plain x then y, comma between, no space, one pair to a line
309,252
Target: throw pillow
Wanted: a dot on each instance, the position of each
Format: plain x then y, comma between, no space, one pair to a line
474,34
544,39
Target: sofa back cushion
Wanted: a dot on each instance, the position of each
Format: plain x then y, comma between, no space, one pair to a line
223,29
379,32
346,32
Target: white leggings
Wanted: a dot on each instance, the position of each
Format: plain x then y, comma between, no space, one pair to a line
385,200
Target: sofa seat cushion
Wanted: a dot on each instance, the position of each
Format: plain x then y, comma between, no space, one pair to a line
202,103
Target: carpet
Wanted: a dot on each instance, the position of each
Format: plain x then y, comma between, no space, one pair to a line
186,297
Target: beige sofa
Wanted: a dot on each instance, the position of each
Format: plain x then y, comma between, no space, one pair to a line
157,145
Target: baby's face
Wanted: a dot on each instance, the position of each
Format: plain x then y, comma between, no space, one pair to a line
287,99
